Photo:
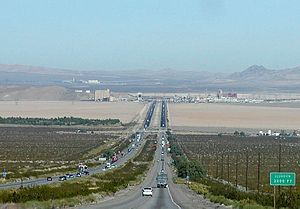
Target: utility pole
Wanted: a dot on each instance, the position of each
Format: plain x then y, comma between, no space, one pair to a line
208,165
228,168
222,166
279,158
279,162
258,173
217,161
247,166
236,169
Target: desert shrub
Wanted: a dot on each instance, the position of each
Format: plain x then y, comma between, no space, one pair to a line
199,188
147,153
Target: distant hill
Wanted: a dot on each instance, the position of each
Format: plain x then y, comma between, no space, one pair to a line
259,77
261,73
254,78
253,72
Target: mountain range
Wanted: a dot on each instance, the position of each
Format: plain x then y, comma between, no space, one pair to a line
254,78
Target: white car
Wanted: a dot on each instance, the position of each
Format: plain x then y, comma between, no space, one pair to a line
147,191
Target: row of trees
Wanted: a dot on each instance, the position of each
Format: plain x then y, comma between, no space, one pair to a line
185,167
60,121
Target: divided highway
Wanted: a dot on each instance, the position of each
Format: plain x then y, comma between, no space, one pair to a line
149,115
99,169
162,197
163,116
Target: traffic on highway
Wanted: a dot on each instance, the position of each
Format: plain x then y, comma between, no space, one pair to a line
83,170
163,116
154,191
149,115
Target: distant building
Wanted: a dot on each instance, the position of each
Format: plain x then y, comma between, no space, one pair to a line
220,94
102,95
93,82
140,97
231,95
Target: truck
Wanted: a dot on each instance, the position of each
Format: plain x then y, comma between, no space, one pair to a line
114,158
162,179
138,137
82,168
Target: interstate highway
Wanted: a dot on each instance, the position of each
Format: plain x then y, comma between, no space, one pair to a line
162,197
173,197
98,169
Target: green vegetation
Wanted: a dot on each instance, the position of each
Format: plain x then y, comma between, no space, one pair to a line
223,158
236,133
184,166
116,148
106,183
34,151
60,121
229,157
228,195
147,153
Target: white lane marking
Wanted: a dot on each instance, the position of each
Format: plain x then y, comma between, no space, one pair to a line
172,199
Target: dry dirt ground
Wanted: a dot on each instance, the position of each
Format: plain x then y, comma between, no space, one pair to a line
233,116
125,111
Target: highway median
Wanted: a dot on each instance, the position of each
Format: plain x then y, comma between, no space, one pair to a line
83,190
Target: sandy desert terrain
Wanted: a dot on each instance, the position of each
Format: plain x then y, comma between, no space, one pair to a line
125,111
234,116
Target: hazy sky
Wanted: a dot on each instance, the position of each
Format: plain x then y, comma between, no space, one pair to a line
211,35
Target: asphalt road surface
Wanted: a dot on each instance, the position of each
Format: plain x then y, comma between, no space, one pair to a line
162,197
94,170
173,197
98,169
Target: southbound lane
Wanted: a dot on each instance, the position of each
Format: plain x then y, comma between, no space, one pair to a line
134,200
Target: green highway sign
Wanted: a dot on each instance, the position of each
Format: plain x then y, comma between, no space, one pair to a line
282,179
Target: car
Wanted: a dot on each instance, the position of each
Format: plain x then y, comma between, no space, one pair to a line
71,176
62,178
67,175
108,165
78,174
147,191
86,172
49,178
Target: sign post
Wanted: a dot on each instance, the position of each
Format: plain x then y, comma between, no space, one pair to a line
282,179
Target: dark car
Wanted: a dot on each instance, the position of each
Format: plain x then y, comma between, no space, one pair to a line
62,178
49,178
86,173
